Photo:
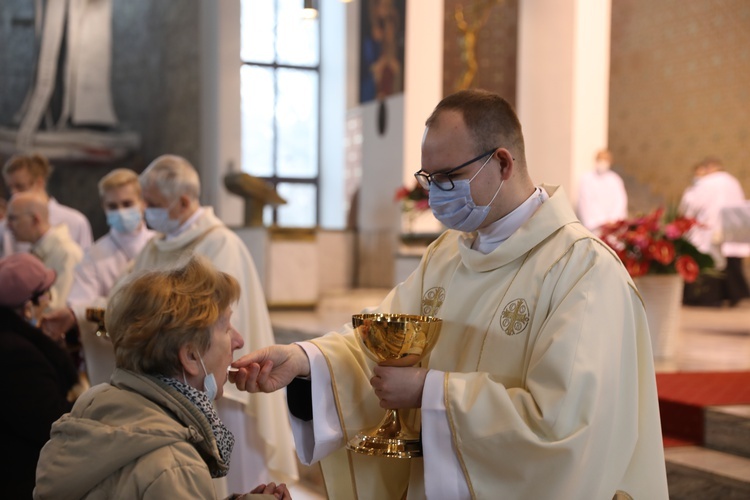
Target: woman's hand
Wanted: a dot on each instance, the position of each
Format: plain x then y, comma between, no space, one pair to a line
55,324
281,492
270,368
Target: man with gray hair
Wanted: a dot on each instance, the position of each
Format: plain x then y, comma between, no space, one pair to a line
171,190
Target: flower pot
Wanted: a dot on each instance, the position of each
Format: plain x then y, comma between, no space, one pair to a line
662,297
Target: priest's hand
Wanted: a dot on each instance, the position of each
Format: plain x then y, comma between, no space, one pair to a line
398,387
270,368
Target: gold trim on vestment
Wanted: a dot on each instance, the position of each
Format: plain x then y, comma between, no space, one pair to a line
454,435
341,419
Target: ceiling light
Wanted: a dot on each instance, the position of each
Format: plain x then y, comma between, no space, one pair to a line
309,9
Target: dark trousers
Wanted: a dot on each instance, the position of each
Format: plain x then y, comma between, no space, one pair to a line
735,285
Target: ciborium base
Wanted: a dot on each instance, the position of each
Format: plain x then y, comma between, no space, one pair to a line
392,438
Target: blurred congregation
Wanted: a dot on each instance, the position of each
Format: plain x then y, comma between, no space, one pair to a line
245,154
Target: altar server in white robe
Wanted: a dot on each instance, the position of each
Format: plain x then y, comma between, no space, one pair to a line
601,194
264,449
712,190
102,265
23,173
28,222
541,384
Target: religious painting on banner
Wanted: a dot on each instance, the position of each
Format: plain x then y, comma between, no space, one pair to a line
382,44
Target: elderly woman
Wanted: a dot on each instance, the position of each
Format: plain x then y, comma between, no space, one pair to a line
153,432
37,373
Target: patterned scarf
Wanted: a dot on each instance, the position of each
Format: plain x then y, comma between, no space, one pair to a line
224,437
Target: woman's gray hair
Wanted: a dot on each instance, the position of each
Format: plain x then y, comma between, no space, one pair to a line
173,176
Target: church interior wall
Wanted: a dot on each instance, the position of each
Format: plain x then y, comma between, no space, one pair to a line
679,91
155,87
496,47
678,88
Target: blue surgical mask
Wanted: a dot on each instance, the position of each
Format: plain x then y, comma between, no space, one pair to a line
209,383
456,208
158,220
125,220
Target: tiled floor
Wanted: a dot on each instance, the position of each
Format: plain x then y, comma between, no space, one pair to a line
712,339
709,339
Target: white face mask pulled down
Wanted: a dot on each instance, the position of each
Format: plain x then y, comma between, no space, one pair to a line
210,387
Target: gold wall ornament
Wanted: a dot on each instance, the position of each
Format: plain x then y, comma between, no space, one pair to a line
432,300
515,317
479,11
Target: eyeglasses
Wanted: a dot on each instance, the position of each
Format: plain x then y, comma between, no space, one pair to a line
443,180
38,296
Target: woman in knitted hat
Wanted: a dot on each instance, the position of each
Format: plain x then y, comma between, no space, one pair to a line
36,373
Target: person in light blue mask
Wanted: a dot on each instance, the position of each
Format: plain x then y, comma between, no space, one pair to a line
541,383
103,264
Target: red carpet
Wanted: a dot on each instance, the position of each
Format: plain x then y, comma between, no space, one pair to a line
683,397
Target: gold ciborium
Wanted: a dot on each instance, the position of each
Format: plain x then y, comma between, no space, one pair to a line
393,340
96,315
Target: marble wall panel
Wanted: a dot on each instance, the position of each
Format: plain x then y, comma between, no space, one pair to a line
679,91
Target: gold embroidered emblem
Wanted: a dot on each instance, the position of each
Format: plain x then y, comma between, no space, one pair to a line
515,317
432,300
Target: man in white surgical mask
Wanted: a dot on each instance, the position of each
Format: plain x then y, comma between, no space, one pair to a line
171,190
102,266
601,194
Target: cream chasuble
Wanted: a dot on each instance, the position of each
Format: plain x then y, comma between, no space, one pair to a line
549,385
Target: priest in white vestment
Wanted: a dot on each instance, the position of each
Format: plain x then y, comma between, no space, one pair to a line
23,173
264,450
541,384
102,266
601,195
714,189
28,222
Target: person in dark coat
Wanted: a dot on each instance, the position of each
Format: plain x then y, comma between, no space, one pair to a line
36,373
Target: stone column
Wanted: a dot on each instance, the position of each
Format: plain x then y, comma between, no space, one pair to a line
563,86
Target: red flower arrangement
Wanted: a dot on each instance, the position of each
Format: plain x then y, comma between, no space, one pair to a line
414,199
656,244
